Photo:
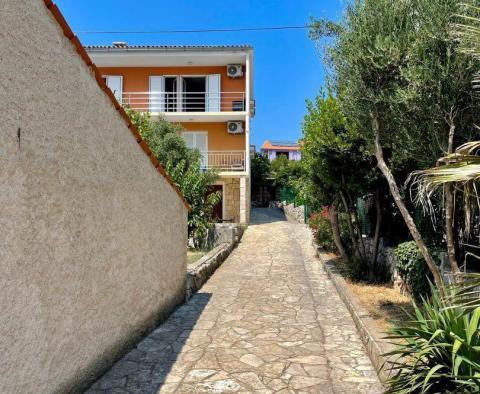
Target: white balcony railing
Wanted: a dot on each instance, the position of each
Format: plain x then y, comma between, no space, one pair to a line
184,102
224,161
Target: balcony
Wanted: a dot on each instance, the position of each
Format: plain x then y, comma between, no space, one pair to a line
191,106
224,161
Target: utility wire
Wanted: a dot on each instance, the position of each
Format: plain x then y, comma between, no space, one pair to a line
225,30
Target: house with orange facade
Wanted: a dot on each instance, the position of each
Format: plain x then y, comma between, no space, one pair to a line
208,90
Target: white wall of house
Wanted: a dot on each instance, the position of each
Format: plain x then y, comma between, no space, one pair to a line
92,238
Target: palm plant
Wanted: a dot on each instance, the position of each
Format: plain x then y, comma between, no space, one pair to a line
439,349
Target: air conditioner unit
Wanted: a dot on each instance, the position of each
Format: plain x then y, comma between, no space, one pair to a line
234,70
235,127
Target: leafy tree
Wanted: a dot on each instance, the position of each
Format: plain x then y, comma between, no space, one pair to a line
401,81
337,166
183,165
284,172
260,169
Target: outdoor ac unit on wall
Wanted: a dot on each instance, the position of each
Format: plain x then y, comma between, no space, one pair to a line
234,70
235,127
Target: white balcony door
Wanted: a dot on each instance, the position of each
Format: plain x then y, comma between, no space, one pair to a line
156,97
198,140
213,93
115,83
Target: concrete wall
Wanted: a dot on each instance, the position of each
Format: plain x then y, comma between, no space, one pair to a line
92,238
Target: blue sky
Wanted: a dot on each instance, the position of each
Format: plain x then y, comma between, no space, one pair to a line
287,67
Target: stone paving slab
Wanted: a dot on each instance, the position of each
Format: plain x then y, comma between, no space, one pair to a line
268,321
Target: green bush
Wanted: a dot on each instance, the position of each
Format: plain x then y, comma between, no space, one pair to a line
358,268
438,350
322,231
413,269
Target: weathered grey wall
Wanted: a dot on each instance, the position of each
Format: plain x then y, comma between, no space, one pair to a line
92,238
293,212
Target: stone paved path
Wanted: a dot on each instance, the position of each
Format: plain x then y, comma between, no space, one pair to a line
268,321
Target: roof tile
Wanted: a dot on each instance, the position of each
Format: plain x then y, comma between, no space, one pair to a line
173,47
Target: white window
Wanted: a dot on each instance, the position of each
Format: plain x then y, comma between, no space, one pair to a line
115,83
198,140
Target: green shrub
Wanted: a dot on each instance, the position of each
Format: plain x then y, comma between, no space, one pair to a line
413,269
322,230
439,350
358,268
382,273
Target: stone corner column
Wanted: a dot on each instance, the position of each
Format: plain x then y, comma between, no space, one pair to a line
243,200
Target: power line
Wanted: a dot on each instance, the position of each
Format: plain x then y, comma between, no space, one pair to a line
224,30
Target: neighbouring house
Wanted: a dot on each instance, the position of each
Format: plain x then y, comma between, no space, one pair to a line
207,89
274,149
93,233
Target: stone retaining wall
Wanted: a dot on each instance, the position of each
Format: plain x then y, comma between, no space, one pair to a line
386,256
198,273
292,212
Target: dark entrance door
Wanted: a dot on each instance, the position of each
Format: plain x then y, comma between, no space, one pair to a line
218,209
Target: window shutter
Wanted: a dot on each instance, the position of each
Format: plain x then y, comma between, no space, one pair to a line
213,98
198,140
157,94
115,83
189,141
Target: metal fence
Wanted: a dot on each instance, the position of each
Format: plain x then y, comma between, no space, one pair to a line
289,195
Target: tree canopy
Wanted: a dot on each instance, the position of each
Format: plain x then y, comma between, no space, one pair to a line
183,165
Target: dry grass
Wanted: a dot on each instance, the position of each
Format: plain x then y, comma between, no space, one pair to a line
384,303
194,255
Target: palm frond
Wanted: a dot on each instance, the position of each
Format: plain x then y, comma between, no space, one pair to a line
466,30
460,169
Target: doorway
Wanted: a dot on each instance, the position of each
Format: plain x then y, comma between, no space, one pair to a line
171,84
194,93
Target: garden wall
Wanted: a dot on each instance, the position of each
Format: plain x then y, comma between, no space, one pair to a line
92,236
386,256
296,213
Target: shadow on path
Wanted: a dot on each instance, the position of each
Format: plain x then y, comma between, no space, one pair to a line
268,321
147,368
266,215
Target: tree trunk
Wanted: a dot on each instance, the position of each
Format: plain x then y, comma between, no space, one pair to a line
359,232
351,231
382,165
449,211
449,230
378,222
333,216
352,212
